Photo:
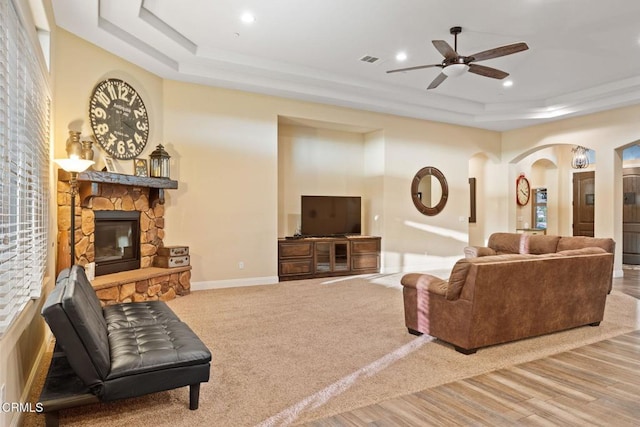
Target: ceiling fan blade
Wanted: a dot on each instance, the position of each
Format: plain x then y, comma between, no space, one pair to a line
436,82
499,51
494,73
445,49
418,67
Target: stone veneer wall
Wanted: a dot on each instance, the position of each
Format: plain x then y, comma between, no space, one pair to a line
160,287
125,198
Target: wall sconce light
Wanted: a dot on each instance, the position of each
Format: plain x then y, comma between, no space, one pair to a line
74,165
159,162
579,160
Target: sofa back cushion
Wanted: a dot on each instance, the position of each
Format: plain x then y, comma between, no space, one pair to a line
505,243
579,242
79,326
539,244
516,243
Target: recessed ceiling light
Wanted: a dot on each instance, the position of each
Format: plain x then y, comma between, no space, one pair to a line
247,18
507,83
401,56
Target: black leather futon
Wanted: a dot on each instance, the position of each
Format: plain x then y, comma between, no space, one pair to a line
117,351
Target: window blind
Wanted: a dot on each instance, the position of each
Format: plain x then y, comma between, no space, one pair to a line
24,168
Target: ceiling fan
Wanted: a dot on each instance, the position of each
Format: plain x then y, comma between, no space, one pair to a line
455,64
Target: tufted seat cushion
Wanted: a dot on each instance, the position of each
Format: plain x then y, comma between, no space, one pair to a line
152,347
138,314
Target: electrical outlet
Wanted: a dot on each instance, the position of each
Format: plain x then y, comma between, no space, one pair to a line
241,265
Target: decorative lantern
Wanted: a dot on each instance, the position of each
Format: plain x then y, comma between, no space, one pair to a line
159,160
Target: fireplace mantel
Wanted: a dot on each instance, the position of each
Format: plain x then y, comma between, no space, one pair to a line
89,184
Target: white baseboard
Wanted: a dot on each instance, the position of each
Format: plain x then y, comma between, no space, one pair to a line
233,283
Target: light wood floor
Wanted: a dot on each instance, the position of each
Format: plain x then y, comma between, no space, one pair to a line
594,385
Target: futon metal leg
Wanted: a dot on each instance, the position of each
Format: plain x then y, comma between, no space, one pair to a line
414,332
194,396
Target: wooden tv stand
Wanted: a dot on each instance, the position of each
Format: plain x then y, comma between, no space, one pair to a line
309,257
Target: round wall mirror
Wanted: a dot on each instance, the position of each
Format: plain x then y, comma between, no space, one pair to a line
429,191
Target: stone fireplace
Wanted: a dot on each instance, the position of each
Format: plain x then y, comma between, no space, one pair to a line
129,212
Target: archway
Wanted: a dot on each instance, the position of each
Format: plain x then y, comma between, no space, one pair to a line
548,170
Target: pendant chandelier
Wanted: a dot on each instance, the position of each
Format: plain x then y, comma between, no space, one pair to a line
579,160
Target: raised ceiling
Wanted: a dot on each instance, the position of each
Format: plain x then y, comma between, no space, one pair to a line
583,56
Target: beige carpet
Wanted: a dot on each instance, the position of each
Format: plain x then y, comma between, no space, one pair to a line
296,351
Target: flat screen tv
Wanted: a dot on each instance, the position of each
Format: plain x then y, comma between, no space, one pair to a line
330,215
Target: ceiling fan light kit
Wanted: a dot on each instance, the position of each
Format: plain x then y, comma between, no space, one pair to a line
454,64
455,70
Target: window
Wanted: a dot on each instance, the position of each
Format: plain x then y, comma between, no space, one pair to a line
539,208
24,167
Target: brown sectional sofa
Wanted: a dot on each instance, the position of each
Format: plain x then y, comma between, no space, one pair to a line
520,286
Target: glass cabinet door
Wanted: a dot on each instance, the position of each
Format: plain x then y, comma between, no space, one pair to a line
331,256
323,257
341,256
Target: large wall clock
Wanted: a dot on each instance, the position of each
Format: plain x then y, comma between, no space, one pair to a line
523,190
119,119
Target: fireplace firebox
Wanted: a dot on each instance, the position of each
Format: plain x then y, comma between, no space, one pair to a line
117,241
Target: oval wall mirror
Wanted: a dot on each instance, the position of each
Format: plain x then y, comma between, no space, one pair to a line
429,191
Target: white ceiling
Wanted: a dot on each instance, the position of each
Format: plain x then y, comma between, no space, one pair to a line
584,56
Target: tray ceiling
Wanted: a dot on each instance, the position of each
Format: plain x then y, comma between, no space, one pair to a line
583,57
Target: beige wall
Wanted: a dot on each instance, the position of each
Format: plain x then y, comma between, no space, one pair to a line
224,145
79,66
317,161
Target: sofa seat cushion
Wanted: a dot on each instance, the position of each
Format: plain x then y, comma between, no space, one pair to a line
127,315
149,348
